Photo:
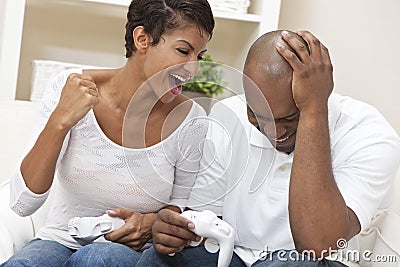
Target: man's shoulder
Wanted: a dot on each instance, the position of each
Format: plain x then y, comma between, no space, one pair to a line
351,106
361,122
235,104
239,99
231,114
360,112
231,110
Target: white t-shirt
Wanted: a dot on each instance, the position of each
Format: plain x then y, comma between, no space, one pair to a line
244,179
95,174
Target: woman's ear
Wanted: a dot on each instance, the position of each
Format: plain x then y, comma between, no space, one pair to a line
141,38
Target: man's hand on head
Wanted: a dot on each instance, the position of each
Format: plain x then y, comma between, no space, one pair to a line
312,70
313,190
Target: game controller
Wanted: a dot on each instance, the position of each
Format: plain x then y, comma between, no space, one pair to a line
219,234
85,230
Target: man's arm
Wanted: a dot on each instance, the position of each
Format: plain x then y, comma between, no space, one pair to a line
317,211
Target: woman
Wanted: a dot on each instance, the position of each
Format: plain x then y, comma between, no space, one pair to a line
132,171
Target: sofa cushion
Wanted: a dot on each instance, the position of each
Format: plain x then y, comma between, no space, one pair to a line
18,230
17,120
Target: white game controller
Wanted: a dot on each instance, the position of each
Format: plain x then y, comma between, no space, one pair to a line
219,234
85,230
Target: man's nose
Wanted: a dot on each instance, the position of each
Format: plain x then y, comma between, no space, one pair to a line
273,130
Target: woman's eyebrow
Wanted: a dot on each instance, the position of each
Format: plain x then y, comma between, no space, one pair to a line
186,42
190,45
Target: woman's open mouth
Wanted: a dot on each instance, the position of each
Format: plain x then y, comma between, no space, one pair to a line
175,83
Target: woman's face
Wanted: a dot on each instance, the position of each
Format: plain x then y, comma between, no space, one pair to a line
174,60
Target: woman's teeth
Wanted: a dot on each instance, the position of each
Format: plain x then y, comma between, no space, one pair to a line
179,77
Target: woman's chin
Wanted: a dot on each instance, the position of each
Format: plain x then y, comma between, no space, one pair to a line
167,98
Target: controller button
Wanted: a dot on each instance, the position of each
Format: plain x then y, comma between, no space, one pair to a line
195,244
224,231
211,245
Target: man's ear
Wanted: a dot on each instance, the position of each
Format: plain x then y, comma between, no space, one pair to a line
141,38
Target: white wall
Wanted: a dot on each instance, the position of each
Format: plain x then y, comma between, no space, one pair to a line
93,34
363,39
2,16
10,29
54,32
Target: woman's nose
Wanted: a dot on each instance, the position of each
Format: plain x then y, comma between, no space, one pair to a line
192,67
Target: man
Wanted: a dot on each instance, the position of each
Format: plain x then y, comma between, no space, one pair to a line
293,169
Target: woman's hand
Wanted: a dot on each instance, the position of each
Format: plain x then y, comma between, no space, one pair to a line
78,96
136,231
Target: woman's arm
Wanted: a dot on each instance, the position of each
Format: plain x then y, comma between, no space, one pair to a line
65,101
189,152
78,96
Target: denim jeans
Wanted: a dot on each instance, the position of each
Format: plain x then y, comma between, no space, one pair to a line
199,257
51,253
193,257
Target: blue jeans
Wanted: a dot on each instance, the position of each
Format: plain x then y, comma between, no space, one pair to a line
199,257
51,253
193,257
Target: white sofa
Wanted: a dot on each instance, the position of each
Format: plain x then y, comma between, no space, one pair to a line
17,120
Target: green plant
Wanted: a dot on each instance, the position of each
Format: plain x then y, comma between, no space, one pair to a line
208,80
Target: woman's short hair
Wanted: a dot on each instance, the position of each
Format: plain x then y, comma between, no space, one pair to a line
160,16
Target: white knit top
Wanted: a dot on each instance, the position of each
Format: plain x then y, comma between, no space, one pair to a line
95,174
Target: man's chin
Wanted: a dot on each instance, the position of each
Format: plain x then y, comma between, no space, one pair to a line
285,149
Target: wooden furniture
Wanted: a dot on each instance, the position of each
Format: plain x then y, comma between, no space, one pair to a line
91,32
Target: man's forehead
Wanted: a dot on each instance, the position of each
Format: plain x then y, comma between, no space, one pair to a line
255,97
258,105
278,103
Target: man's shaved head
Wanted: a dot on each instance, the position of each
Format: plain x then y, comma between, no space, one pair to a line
263,53
267,82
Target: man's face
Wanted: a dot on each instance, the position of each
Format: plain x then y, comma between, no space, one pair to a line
271,107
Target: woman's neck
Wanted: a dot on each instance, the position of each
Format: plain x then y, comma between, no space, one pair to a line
130,88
